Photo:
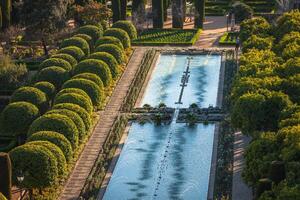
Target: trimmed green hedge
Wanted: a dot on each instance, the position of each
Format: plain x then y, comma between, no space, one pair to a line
78,42
120,34
75,99
109,40
73,90
76,52
91,77
56,62
128,27
87,38
17,117
46,87
55,75
70,59
94,66
58,123
56,138
93,31
113,50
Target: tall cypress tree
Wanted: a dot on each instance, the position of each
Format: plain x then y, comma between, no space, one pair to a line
0,18
158,13
116,10
6,11
166,5
123,9
199,13
177,14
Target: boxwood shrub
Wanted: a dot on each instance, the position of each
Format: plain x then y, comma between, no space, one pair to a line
87,38
56,62
31,95
58,123
17,117
46,87
78,42
128,27
91,77
76,52
66,57
113,50
109,60
94,66
120,34
73,90
75,99
55,75
109,40
56,138
37,160
93,31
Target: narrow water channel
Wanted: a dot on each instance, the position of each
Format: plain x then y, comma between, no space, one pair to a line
170,161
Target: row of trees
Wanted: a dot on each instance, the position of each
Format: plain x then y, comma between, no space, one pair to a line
265,105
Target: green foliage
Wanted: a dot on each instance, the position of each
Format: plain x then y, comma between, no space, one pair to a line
73,90
116,10
288,23
242,11
119,34
292,50
291,86
92,77
57,123
87,38
56,138
263,185
93,31
2,197
228,38
75,99
46,87
55,75
128,27
292,37
290,68
5,176
6,13
109,60
75,52
78,42
109,40
58,62
97,67
113,50
70,59
259,43
158,13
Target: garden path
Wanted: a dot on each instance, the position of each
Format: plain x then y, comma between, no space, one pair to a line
85,163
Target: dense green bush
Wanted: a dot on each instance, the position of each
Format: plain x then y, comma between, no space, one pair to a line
75,52
292,50
46,87
93,31
37,160
287,23
109,40
128,27
113,50
97,67
79,110
109,60
17,117
56,138
242,11
78,42
293,37
70,59
259,43
73,90
290,68
55,75
31,95
75,99
87,38
58,62
120,34
91,77
291,87
58,123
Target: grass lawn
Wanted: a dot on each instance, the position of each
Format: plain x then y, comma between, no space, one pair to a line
157,37
229,38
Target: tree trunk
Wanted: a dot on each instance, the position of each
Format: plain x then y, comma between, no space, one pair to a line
5,175
158,13
6,12
123,9
177,14
199,13
45,47
116,9
166,9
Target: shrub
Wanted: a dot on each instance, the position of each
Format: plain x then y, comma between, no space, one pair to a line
58,62
93,31
113,50
109,60
76,52
91,77
70,59
257,26
77,42
31,95
46,87
290,68
287,39
87,38
73,90
128,27
288,22
74,117
75,99
55,75
242,11
56,138
5,175
120,34
58,123
257,42
109,40
94,66
17,117
292,50
37,160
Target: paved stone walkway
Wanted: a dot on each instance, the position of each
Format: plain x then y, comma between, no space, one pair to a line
240,191
92,148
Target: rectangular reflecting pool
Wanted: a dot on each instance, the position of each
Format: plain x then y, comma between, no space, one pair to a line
170,161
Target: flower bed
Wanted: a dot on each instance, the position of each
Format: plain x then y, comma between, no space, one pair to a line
228,38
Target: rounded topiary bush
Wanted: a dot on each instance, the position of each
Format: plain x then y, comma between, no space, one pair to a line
46,87
74,117
73,90
109,60
75,52
78,42
56,138
79,110
58,62
58,123
91,77
55,75
17,117
109,40
37,160
113,50
120,34
70,59
75,99
56,152
91,30
97,67
128,27
87,38
31,95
